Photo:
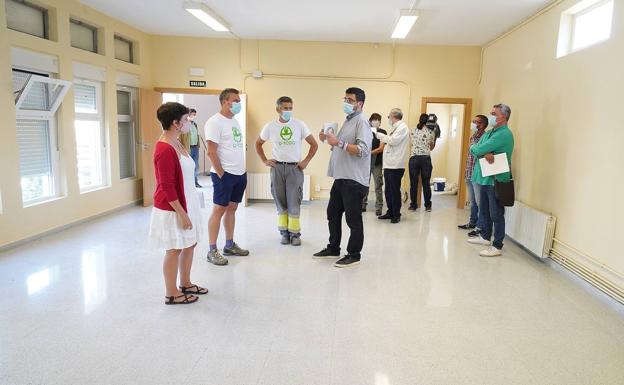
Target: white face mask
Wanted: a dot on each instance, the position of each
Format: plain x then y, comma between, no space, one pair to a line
473,127
390,122
375,123
492,121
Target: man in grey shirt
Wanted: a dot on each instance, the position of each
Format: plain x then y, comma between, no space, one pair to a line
349,165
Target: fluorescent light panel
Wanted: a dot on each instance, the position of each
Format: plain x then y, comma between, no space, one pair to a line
404,24
206,15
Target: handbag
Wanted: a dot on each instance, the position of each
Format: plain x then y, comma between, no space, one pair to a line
505,192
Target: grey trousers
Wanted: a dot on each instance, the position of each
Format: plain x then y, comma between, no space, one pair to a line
287,190
377,172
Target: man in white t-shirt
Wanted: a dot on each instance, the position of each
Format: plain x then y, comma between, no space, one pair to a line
226,151
286,135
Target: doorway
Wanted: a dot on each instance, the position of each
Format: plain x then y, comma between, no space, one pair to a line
449,155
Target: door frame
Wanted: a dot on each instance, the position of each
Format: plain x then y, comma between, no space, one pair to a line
467,102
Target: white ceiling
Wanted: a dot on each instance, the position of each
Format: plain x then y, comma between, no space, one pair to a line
446,22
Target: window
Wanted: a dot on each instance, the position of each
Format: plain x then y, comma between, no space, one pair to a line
90,136
25,17
123,49
583,25
83,35
36,139
126,129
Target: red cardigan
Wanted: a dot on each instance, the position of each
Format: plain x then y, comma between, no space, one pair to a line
169,180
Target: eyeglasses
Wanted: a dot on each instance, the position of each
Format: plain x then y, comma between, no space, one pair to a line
349,100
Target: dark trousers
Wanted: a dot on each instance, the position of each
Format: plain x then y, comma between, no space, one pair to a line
393,177
346,197
195,157
491,214
420,166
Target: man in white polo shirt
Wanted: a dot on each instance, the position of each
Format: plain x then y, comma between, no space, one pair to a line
286,135
227,154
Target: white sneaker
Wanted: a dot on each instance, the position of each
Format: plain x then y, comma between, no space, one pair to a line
491,252
479,241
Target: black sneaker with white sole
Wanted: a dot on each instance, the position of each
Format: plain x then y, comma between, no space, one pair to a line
348,261
467,226
326,253
474,233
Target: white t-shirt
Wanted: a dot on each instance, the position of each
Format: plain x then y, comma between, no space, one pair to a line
230,150
286,139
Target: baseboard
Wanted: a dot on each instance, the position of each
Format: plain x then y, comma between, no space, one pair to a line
14,244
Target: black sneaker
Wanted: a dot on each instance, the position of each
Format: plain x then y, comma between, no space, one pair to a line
385,216
378,213
348,261
395,220
467,226
325,253
413,208
474,233
428,209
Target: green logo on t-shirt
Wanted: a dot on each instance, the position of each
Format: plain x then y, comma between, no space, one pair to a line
237,134
286,133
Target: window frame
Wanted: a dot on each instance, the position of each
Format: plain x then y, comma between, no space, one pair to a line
94,117
133,120
130,48
30,82
45,14
55,153
93,29
581,13
567,26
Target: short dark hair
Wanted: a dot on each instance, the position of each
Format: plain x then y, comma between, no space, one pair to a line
283,99
360,96
374,116
170,112
483,119
192,111
226,94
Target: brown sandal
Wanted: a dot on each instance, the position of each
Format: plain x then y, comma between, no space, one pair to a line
194,289
187,299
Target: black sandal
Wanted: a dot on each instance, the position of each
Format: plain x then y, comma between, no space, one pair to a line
194,289
187,299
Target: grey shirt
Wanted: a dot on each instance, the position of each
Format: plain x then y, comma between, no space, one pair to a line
342,165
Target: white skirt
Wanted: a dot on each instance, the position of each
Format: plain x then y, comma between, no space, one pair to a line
166,230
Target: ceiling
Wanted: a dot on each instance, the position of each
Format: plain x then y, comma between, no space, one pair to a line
444,22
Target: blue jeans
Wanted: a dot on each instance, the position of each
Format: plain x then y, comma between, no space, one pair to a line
491,213
195,156
474,194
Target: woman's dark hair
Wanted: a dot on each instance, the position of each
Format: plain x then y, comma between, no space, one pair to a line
374,116
422,120
170,112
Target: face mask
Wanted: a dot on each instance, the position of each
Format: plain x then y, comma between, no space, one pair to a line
375,123
473,128
390,123
236,108
347,108
492,121
286,115
186,127
191,118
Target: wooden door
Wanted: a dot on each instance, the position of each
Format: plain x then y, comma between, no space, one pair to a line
151,130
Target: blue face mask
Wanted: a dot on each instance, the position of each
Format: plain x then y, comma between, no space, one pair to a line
286,115
236,108
347,108
492,121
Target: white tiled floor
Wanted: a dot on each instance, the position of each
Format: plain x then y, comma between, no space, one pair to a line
85,307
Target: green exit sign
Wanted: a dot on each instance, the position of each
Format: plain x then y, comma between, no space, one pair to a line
197,83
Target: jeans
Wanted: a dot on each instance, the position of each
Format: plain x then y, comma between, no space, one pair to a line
474,194
393,191
195,156
420,165
491,213
346,197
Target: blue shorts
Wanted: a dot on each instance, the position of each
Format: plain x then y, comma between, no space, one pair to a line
229,188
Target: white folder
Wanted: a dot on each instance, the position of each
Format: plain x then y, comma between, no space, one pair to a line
499,166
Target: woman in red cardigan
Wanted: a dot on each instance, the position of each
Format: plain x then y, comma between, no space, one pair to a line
176,218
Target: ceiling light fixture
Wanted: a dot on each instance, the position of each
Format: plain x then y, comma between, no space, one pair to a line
206,15
403,26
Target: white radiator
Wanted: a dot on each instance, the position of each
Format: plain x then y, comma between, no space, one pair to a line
531,228
259,186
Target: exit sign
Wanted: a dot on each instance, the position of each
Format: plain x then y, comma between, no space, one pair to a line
197,83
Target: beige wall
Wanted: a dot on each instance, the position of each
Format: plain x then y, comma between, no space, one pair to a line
316,74
17,222
568,130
